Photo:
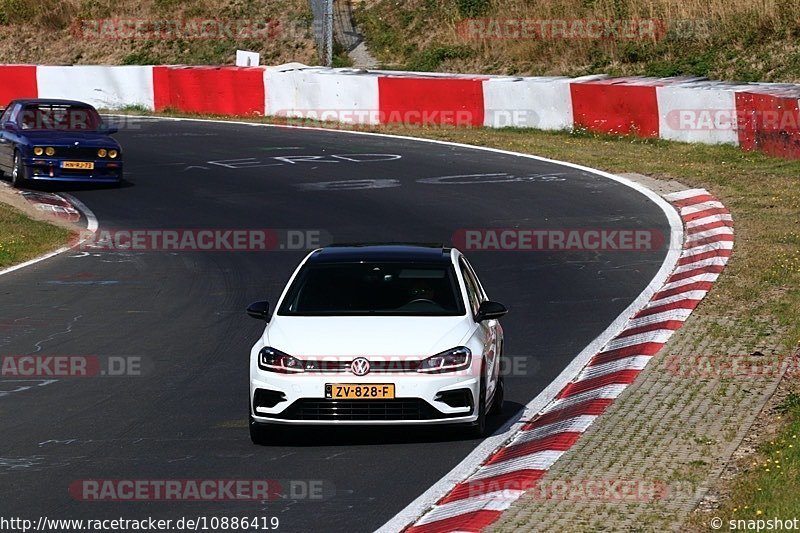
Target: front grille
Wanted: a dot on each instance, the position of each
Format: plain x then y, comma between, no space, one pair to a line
76,152
362,410
395,365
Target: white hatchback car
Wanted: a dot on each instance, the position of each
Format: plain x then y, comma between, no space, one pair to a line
375,335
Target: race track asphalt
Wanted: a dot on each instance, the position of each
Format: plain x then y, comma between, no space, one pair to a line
182,313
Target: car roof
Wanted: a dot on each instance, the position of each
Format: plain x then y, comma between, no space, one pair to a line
389,252
49,101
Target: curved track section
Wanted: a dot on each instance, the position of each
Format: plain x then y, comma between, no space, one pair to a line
182,314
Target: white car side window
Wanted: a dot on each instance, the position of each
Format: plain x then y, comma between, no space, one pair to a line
481,293
472,290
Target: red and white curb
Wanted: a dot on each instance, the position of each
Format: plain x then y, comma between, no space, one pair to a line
516,467
52,205
63,206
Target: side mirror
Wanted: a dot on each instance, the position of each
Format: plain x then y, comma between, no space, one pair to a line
490,311
259,310
111,130
10,126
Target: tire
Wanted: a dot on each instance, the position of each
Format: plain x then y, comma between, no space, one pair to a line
258,433
499,397
118,184
19,176
264,434
477,429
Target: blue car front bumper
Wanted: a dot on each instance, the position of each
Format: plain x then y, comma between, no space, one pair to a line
50,169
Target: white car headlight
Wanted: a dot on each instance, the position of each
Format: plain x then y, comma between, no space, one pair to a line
273,360
449,361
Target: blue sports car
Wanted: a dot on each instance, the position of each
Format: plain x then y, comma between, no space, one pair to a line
57,140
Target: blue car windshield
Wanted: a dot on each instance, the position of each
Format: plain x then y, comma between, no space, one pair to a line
58,117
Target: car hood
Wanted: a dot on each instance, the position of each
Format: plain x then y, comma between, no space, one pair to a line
366,336
59,138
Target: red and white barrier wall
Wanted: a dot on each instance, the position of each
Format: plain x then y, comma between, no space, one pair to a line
104,87
322,94
762,117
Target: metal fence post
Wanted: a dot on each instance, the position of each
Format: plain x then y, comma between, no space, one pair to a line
328,33
323,29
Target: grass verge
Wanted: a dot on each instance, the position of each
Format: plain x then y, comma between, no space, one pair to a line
23,238
160,32
746,40
769,485
762,281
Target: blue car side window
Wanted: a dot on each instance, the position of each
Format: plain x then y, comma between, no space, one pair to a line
14,113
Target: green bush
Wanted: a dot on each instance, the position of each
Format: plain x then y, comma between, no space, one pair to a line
141,57
168,5
790,404
16,11
430,59
473,8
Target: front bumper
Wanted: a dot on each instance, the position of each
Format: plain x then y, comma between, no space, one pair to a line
49,169
418,399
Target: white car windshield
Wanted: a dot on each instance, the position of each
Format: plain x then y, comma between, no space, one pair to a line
382,289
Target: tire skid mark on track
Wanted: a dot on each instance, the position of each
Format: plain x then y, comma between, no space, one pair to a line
67,204
516,467
10,386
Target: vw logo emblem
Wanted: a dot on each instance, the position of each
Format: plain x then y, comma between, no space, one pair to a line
360,366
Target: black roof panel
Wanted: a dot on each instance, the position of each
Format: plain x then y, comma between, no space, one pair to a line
355,253
49,101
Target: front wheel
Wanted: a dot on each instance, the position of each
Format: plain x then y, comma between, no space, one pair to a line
263,434
18,176
499,398
477,429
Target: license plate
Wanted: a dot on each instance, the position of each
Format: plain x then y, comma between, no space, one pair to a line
78,165
371,391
